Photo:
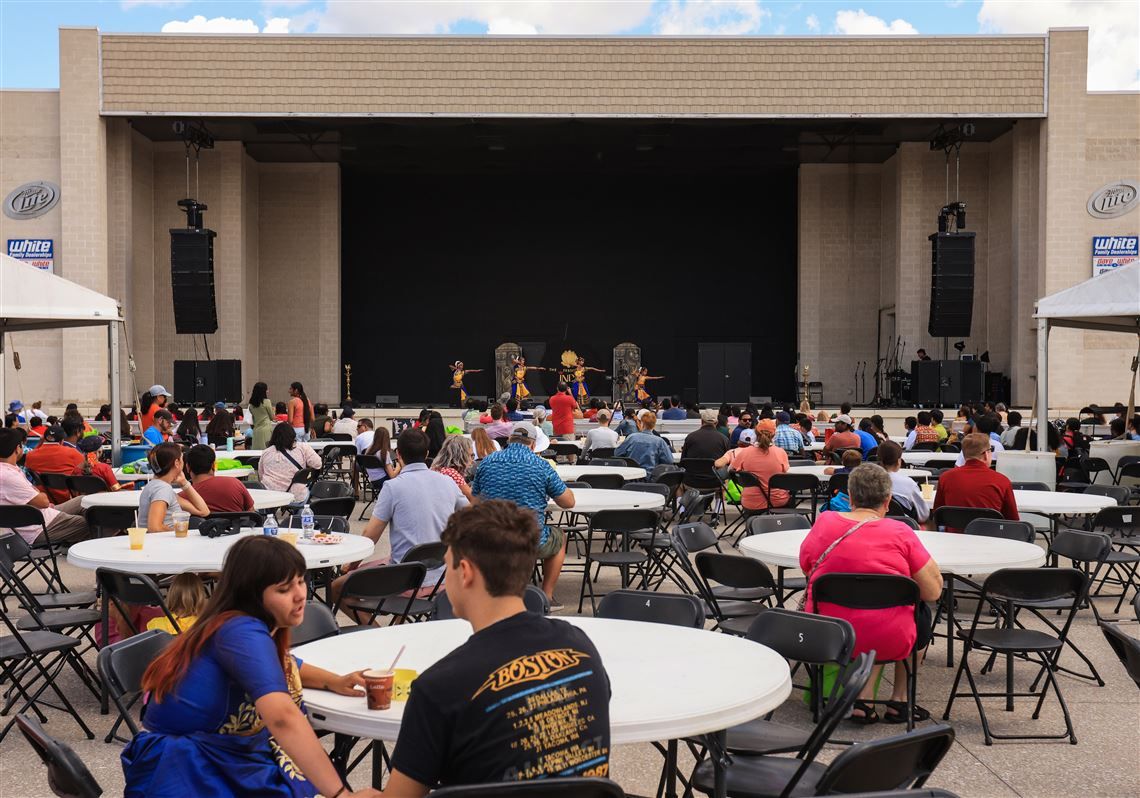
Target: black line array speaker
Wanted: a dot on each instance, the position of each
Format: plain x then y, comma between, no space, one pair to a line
951,284
192,281
207,381
925,378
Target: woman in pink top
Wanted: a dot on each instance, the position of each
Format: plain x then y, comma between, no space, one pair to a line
283,459
762,460
879,546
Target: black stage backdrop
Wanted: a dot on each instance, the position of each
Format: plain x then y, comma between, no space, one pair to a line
443,267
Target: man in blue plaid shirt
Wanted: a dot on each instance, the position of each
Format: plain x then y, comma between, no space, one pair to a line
787,438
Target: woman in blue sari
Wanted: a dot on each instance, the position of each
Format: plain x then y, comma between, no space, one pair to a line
224,715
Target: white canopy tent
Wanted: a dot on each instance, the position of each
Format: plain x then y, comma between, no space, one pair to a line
1110,302
32,299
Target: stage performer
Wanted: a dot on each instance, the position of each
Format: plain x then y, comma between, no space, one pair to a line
639,388
457,373
578,380
518,381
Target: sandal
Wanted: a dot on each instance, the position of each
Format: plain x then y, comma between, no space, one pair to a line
896,712
868,717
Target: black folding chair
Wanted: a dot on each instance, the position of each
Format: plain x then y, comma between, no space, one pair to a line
801,487
600,453
874,592
734,616
86,485
958,518
335,524
603,481
319,622
572,787
534,600
666,608
341,507
1003,590
786,586
615,528
431,555
108,521
235,522
16,549
366,589
41,558
328,489
121,667
1122,525
1126,648
68,777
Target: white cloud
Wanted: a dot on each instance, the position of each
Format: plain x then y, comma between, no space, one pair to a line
1114,33
863,24
127,5
510,27
276,25
568,17
710,17
812,22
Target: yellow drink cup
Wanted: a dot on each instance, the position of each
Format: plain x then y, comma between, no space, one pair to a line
137,536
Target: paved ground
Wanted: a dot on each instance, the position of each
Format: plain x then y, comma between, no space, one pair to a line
1106,762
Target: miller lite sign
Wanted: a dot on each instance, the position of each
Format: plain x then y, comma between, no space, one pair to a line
1115,199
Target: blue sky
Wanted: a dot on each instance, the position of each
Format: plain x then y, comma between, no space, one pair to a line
29,28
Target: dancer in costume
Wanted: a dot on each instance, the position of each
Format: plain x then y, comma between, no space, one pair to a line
639,387
518,381
578,380
457,373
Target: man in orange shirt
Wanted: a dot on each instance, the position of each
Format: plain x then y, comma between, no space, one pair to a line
55,456
843,438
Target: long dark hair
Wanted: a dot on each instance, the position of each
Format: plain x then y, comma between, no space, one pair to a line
163,457
435,432
283,437
189,428
381,442
306,410
145,401
222,424
252,564
259,394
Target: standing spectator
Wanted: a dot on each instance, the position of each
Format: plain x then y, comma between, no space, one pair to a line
518,475
283,459
975,484
65,523
53,456
644,446
601,436
299,410
221,494
149,403
562,406
261,415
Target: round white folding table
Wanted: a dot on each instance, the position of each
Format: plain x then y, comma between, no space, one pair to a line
238,473
818,471
668,682
244,454
922,458
262,499
595,500
163,553
1052,503
573,472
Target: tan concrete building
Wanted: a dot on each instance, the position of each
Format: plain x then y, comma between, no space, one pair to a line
853,116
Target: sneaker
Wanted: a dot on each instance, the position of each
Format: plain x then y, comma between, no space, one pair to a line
556,607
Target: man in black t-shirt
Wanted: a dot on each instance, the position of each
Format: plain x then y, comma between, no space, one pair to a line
525,697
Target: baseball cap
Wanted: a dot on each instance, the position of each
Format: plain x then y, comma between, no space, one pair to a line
746,437
219,405
54,433
768,424
709,416
846,419
783,417
158,390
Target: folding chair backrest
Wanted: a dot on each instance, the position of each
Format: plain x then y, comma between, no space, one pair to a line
326,523
898,762
864,591
1037,486
533,598
1001,528
763,524
1080,546
1118,493
650,487
318,623
430,554
599,459
803,637
905,519
733,571
1033,584
624,520
86,485
1116,519
1126,648
14,548
600,452
250,519
124,588
837,483
696,507
329,489
384,581
571,787
341,507
122,665
641,605
694,536
794,483
67,775
960,517
579,485
604,481
107,518
13,516
697,465
304,476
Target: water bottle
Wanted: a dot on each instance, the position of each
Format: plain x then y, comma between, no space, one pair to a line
269,526
308,524
230,444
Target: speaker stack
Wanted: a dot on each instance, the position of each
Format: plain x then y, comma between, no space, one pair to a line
192,273
951,285
204,382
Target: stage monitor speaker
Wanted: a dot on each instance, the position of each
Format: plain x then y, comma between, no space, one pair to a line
192,281
387,400
207,381
471,397
951,284
925,377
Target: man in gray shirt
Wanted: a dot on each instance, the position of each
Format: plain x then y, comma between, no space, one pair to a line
413,507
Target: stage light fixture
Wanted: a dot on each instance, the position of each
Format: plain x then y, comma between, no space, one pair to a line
959,345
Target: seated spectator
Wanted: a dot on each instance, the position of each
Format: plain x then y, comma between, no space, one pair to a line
924,432
910,423
481,444
485,413
806,431
346,424
57,454
380,446
16,408
65,522
647,448
847,463
413,508
743,422
905,490
867,439
280,412
762,460
628,424
36,428
671,409
601,436
1134,428
189,430
90,447
513,413
364,435
1075,440
162,424
786,437
224,699
185,598
843,438
518,475
499,427
986,424
454,730
1014,420
38,412
322,424
705,442
975,484
454,461
844,410
283,459
591,411
543,423
873,544
221,494
878,429
1055,445
158,499
936,416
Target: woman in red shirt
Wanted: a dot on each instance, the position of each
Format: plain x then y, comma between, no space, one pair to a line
92,465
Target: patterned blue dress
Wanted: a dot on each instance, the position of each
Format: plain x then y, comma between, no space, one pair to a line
206,738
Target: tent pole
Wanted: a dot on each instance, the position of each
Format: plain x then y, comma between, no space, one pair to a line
1042,385
116,413
3,368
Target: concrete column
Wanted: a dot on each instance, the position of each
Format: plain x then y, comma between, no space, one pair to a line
83,200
